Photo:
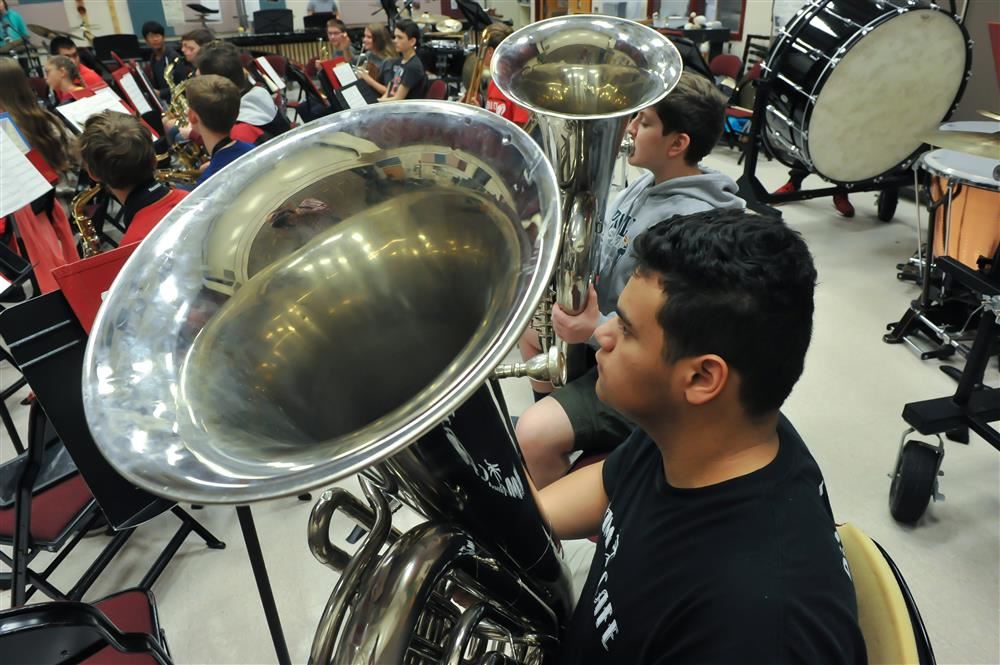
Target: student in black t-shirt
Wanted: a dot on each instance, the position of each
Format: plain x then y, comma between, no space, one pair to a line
716,539
408,79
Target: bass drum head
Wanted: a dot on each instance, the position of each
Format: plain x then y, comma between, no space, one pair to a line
891,88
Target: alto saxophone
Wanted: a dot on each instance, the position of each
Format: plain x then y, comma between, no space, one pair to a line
89,241
179,176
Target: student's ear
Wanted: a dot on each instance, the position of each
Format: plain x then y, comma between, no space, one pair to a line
91,174
705,377
193,118
679,145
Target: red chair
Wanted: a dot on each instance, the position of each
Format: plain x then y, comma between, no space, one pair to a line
438,89
122,629
278,62
726,64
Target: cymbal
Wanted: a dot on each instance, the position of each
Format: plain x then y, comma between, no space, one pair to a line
989,114
449,25
48,33
971,143
428,19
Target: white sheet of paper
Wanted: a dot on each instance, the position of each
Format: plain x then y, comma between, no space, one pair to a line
353,97
104,99
345,74
135,94
8,126
271,74
23,183
4,283
173,12
149,87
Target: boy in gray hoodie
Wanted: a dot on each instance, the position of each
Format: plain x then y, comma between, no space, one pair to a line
671,138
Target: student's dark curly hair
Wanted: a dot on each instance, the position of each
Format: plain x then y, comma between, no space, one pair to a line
738,285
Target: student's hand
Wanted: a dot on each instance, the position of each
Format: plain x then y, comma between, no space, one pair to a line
168,122
577,329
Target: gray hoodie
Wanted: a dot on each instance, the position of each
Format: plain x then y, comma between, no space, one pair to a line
639,207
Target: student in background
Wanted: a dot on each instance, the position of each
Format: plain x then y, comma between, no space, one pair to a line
42,226
377,57
63,77
259,118
65,46
213,106
338,39
409,80
117,151
191,45
160,56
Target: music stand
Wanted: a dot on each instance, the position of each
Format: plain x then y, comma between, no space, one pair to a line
126,46
203,13
476,16
316,22
272,20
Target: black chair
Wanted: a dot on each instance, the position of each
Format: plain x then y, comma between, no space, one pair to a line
122,628
272,20
48,342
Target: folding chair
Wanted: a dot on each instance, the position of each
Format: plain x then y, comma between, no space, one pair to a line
47,342
123,628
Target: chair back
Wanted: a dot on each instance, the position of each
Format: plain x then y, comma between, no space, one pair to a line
726,64
438,89
890,622
67,632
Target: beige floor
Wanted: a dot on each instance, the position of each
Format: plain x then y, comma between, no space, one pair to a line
847,407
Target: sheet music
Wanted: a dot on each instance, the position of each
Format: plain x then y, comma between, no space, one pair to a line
135,94
103,99
149,88
353,97
345,74
4,283
23,182
10,128
271,74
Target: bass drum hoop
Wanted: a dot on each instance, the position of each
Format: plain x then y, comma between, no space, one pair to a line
772,68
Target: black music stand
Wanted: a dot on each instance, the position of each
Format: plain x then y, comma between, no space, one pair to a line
316,22
48,343
476,16
126,46
272,20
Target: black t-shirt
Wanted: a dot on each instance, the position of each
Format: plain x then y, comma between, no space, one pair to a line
749,570
411,74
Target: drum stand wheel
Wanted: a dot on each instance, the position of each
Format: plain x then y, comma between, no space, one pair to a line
915,480
886,203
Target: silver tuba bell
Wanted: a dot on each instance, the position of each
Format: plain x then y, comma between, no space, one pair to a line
582,77
334,303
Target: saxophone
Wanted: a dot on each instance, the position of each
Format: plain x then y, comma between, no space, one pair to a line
89,241
178,176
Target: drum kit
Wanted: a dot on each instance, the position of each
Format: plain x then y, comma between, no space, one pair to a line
29,55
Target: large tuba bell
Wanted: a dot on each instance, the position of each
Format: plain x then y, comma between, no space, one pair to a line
335,304
582,77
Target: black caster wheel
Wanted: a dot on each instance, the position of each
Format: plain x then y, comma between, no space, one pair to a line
914,482
886,203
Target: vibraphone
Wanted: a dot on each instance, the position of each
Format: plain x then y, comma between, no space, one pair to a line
299,47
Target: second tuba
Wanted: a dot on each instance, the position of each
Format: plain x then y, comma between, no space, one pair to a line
582,77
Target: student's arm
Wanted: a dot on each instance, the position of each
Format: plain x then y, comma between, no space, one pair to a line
401,92
374,84
574,505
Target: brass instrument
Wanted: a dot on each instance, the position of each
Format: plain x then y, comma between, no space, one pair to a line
472,92
189,153
420,236
177,176
90,242
582,77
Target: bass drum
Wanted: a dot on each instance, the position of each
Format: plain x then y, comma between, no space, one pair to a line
856,84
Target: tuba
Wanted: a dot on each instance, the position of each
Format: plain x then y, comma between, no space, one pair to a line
386,258
582,77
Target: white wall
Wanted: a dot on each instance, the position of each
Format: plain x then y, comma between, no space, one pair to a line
99,16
